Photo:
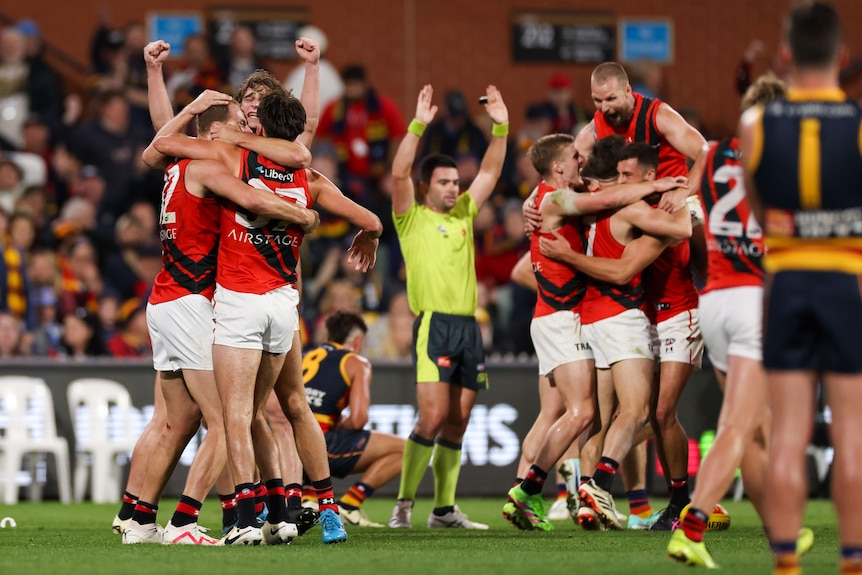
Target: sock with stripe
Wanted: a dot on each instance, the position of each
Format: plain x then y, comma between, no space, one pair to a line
694,524
228,509
535,480
446,466
293,495
562,491
275,501
325,496
417,454
784,557
128,506
639,503
851,560
187,511
605,472
356,496
145,513
679,492
245,505
259,498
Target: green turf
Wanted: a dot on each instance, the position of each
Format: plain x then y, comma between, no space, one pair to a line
61,539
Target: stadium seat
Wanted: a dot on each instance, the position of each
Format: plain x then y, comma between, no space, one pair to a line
101,417
27,426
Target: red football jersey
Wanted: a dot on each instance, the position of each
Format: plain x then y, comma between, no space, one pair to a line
257,254
668,285
642,128
189,233
561,287
734,239
604,300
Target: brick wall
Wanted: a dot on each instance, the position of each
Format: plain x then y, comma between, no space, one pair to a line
466,43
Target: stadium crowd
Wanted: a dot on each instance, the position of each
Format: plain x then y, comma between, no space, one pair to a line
79,206
615,346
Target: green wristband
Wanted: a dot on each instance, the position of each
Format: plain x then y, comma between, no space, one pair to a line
416,127
500,130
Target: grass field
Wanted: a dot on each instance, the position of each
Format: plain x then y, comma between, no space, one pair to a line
52,538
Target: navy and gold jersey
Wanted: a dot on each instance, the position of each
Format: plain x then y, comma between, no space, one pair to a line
806,162
327,386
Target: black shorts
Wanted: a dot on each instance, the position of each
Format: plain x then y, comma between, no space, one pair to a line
449,348
344,447
813,322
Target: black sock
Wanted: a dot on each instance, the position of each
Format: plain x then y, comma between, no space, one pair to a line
128,506
605,471
228,509
246,514
535,480
187,512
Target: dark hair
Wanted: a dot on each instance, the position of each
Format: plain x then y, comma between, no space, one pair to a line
813,32
341,323
281,115
431,163
602,164
259,81
646,155
353,72
216,113
547,150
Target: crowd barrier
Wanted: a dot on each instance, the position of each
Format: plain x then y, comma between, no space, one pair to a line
501,418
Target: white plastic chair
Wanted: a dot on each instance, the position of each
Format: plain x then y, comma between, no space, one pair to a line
102,415
27,426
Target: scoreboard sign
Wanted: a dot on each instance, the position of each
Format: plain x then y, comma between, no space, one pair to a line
575,37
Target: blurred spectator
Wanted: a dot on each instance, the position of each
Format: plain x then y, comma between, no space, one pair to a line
365,127
565,116
114,146
11,184
14,99
128,75
43,83
503,245
390,334
135,244
647,78
133,339
81,280
241,59
22,232
694,118
109,314
331,86
80,335
11,336
200,73
453,133
48,333
340,295
44,286
14,278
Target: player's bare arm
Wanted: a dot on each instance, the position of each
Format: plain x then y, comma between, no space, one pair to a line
363,249
284,152
567,202
492,162
675,225
636,256
403,190
688,141
215,177
359,372
522,274
748,125
156,157
586,140
308,51
161,110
